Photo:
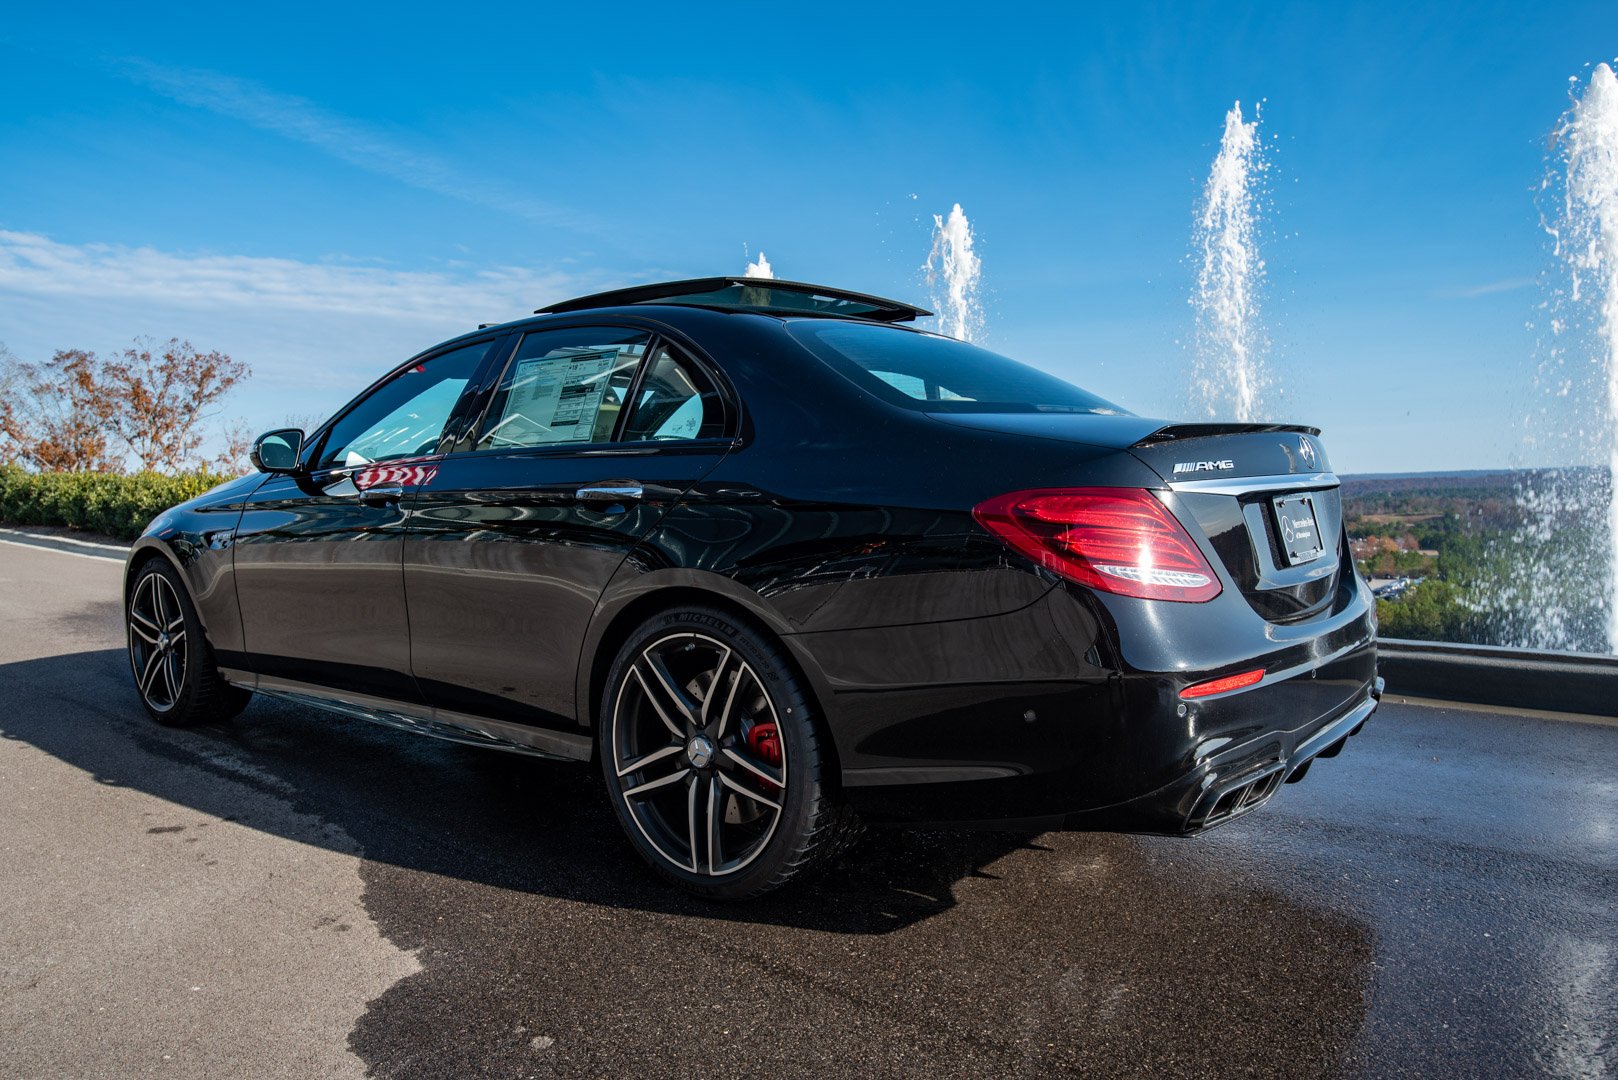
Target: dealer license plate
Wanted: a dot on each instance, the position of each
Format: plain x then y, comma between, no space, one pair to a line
1299,531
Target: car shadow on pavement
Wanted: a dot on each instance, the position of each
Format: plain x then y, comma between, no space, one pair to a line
506,820
537,925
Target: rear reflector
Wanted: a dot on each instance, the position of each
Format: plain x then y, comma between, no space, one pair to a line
1119,540
1220,686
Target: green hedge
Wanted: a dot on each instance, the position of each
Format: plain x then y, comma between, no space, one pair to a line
108,503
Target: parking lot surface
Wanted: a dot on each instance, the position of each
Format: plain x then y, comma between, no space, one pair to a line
297,894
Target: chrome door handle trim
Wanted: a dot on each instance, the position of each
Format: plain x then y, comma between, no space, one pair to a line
382,493
610,493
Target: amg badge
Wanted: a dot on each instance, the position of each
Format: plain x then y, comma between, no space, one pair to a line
1203,466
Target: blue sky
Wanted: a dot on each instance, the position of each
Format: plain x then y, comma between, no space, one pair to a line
323,192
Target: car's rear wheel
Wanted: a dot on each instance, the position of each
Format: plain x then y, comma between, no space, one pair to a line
712,757
170,657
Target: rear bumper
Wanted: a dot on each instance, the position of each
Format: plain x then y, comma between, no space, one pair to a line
1239,779
1004,729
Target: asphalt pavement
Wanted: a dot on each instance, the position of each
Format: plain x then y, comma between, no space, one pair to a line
297,894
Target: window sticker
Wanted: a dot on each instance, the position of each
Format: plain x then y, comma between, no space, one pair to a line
555,398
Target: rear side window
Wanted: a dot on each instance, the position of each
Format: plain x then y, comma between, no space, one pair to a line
927,372
675,400
563,387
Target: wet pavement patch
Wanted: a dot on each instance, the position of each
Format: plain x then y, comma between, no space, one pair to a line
938,953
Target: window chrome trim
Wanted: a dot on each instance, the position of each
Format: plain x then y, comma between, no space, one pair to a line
1245,485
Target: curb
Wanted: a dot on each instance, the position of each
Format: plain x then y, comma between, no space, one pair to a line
65,545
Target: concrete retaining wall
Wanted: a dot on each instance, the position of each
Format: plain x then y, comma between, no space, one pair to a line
1512,678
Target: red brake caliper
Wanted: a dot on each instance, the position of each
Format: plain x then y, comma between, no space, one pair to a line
765,743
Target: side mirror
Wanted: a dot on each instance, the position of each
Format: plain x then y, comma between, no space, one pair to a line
277,451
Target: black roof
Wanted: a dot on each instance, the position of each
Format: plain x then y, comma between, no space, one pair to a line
763,295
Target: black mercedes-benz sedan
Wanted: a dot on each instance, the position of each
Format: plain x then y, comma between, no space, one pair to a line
781,564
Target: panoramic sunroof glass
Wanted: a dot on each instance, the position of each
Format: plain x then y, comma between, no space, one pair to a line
762,297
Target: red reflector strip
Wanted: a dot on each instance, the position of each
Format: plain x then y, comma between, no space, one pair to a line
1220,686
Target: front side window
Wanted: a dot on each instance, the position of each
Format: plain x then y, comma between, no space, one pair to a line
563,387
405,416
932,373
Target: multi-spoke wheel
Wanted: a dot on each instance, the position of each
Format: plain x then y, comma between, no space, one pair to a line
157,647
712,757
169,657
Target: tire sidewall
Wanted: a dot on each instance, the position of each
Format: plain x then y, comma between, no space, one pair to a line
794,721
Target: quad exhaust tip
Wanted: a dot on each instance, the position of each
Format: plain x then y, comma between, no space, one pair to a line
1238,798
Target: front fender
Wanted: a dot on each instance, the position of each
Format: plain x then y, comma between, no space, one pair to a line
196,539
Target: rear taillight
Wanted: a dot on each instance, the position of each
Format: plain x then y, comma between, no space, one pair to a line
1121,540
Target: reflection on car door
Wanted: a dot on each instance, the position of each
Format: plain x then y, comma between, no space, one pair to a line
317,553
590,437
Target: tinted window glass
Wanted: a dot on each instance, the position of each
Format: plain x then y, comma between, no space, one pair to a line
928,372
676,400
405,416
563,386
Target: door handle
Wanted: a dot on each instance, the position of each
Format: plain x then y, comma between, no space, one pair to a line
382,494
613,491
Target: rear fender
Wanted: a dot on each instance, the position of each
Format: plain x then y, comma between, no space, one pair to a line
633,591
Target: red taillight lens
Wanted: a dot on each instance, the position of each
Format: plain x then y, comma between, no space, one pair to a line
1225,685
1121,540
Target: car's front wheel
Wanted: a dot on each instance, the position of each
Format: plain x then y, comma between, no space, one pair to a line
169,655
712,757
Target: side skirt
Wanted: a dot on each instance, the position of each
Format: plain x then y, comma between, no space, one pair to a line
423,719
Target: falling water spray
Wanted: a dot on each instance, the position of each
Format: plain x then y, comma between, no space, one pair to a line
954,273
1554,585
1586,237
1230,375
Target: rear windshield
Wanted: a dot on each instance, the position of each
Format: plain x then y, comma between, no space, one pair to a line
939,374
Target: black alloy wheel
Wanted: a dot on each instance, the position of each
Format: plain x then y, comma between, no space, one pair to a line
169,654
712,757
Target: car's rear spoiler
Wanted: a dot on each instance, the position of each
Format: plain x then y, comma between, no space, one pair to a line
1175,432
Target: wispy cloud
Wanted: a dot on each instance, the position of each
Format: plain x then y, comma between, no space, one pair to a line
360,144
314,332
1488,288
34,264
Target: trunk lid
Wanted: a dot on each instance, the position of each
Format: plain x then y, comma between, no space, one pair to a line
1227,451
1246,486
1266,499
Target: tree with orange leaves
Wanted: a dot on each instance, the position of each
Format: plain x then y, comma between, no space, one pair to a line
77,412
161,394
53,416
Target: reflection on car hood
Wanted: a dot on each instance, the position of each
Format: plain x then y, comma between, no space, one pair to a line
231,490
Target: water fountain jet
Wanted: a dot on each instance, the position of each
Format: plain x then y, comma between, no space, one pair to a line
1586,237
1230,373
1555,583
953,263
760,268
